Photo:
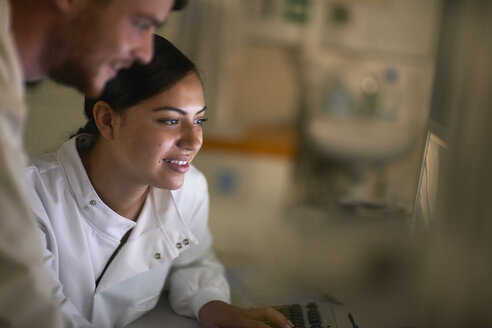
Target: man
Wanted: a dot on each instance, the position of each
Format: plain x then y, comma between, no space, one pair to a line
82,43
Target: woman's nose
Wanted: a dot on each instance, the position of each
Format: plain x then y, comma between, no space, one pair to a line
191,138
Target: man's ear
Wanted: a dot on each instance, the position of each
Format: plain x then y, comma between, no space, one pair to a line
105,118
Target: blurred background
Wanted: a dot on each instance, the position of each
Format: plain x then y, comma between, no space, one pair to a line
317,109
318,115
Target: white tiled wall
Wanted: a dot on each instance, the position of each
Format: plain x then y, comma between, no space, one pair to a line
247,196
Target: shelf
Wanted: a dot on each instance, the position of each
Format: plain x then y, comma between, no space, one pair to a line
277,141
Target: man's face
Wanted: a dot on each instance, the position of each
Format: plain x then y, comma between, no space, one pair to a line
96,40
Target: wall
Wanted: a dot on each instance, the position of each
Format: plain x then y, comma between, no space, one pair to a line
54,113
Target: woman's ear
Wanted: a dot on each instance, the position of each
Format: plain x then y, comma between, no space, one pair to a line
105,118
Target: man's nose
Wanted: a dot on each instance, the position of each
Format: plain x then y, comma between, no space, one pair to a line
144,50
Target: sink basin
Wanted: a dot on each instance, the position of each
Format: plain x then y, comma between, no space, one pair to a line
360,140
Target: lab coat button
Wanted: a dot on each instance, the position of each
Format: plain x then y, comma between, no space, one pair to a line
186,242
92,202
179,246
157,256
86,207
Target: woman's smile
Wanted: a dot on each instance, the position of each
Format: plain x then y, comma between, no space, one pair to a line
178,166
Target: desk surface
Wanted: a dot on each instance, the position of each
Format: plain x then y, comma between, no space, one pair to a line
249,288
162,316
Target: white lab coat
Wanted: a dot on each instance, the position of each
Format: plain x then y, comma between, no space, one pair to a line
170,242
25,299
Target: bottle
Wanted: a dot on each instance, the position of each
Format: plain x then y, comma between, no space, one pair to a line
336,99
390,98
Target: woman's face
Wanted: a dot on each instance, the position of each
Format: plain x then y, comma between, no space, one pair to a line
156,140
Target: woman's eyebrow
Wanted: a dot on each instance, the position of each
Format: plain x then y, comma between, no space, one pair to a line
202,110
177,110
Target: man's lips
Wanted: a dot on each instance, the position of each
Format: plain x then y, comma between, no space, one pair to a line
115,67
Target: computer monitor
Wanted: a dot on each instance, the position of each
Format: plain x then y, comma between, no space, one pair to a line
425,207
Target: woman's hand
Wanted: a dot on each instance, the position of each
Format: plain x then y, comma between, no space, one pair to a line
218,314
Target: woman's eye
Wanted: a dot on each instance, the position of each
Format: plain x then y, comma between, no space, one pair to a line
200,121
171,121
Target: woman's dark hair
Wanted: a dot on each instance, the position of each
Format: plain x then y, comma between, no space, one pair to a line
180,4
141,81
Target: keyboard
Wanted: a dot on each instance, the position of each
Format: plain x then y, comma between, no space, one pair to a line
305,308
308,315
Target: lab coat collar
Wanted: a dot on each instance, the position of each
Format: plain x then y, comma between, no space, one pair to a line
152,242
95,211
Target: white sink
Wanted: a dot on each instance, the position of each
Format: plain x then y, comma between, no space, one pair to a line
360,140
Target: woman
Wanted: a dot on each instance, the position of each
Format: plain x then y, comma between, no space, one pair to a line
122,211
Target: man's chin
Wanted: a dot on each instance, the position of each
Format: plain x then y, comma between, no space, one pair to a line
91,88
95,87
92,91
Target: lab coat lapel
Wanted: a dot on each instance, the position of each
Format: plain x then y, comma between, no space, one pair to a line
152,241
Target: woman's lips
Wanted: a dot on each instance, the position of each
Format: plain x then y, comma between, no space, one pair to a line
178,166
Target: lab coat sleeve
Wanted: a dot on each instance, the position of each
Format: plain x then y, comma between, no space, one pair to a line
71,317
25,300
197,277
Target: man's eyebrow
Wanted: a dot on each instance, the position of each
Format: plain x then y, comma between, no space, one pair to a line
177,110
156,22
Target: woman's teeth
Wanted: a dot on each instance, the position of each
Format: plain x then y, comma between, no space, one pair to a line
177,162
